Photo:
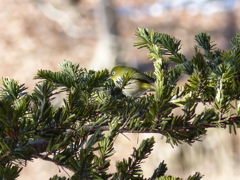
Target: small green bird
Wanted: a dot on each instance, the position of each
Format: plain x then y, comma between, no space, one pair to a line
138,83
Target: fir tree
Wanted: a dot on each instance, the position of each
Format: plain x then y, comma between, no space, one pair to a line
79,134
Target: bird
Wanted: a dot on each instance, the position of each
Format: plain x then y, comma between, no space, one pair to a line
137,83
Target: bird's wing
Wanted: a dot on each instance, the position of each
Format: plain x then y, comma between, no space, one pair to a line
143,77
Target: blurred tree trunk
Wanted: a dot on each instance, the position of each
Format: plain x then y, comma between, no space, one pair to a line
107,47
230,31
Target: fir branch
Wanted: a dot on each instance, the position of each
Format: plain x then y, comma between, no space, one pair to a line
73,132
204,42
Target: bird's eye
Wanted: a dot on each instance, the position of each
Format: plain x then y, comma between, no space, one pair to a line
113,73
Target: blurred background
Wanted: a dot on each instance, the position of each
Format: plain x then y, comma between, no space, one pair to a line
97,34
